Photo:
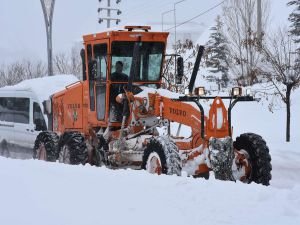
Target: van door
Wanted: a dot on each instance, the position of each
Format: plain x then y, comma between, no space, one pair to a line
38,121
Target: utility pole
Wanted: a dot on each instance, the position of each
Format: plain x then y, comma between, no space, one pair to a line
109,10
162,18
175,24
259,23
48,8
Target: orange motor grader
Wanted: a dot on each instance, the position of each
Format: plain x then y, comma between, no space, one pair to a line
115,115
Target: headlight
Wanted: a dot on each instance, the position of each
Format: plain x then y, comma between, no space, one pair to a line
186,92
200,91
236,91
248,92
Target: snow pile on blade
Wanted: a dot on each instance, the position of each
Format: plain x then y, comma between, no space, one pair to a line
160,91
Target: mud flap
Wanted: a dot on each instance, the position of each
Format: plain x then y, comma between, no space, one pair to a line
221,157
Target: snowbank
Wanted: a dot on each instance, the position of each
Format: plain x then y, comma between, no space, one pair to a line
35,192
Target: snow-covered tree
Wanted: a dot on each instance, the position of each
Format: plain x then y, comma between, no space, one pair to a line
217,54
240,24
17,71
281,69
294,18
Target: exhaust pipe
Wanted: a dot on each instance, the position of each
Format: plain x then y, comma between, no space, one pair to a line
195,69
135,67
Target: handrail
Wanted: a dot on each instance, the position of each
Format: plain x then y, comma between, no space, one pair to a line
72,84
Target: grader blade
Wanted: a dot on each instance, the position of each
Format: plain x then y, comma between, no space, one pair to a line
221,157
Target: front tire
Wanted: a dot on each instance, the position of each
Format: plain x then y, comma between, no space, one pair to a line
161,156
4,149
46,146
73,149
259,157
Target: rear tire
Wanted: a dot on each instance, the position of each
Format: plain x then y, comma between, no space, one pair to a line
46,146
260,158
162,150
73,149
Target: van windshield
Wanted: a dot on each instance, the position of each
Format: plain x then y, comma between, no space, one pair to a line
151,54
14,110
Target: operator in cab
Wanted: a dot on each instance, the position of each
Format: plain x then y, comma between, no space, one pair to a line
118,75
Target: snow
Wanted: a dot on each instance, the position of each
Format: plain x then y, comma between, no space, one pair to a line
44,87
160,91
34,192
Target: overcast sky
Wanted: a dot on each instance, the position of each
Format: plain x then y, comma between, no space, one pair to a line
22,28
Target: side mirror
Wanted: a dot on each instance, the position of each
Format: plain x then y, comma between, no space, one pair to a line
180,70
47,104
99,72
92,69
39,125
82,55
95,72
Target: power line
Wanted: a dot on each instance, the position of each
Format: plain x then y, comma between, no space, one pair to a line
140,10
195,17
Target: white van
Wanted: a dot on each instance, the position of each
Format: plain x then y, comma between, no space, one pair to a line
22,115
21,119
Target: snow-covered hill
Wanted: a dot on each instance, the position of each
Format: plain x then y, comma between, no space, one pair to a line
34,192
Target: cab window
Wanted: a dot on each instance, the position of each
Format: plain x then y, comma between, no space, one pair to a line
151,55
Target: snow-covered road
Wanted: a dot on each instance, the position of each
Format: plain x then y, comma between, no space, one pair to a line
34,192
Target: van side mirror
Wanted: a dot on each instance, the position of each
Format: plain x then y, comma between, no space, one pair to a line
39,125
180,70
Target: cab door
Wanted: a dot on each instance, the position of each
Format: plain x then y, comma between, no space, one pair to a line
98,82
100,53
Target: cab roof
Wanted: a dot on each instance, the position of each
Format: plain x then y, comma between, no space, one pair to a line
128,33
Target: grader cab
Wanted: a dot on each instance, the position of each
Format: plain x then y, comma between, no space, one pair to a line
114,116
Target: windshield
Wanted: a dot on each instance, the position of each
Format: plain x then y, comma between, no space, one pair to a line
150,63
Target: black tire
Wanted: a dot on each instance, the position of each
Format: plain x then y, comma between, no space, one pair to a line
50,141
168,154
4,151
75,143
260,158
101,150
202,175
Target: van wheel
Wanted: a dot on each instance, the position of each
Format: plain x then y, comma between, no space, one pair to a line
46,146
4,149
73,149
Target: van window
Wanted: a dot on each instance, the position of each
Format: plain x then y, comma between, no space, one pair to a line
38,118
14,110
